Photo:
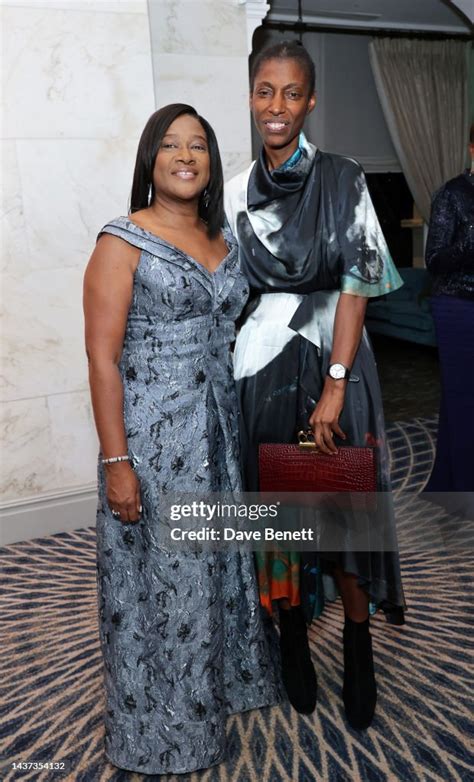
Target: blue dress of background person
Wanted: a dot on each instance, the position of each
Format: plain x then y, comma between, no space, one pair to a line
450,260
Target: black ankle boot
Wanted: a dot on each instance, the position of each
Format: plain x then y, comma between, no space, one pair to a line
298,672
360,690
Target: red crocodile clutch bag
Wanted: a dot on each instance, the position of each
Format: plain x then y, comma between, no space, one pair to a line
303,468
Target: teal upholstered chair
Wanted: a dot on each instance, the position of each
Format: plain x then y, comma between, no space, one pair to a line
405,313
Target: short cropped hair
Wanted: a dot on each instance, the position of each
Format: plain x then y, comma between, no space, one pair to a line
286,50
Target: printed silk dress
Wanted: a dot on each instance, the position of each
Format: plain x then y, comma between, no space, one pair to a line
307,231
183,639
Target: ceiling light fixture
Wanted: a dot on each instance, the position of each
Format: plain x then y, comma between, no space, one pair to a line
300,20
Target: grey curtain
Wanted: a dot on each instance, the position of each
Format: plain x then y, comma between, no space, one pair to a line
422,87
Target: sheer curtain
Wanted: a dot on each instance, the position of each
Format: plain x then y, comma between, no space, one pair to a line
422,86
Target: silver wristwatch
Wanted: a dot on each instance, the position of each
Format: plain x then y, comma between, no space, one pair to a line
338,372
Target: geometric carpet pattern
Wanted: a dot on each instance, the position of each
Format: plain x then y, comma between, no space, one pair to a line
51,697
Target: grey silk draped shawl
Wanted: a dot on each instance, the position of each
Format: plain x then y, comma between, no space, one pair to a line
305,236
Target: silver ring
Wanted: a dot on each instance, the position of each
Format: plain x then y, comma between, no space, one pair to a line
116,514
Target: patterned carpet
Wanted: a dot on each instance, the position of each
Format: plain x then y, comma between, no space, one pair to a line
50,671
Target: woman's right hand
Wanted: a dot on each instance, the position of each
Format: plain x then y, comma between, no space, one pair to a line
123,491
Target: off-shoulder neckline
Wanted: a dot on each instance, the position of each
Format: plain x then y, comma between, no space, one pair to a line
230,245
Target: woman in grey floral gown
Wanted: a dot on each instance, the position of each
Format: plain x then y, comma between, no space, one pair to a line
182,635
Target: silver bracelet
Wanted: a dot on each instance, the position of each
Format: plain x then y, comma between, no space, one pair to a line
114,459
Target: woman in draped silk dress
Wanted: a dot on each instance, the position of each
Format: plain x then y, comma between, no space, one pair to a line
313,252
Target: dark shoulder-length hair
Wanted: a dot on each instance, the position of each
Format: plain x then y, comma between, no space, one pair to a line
211,202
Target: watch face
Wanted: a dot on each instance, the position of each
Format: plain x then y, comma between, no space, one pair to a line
337,371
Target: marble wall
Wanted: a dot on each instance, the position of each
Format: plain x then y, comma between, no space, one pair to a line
200,56
77,90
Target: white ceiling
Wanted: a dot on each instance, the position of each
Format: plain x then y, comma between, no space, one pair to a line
427,15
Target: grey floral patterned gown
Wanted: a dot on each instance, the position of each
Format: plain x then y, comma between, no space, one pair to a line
182,636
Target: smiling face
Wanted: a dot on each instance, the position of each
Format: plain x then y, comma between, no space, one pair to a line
182,165
280,102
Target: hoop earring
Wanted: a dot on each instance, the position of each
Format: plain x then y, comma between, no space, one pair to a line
206,197
150,194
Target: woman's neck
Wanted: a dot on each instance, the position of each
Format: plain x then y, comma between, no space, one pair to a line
276,157
173,214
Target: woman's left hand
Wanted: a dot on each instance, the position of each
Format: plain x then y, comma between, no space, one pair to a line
324,420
